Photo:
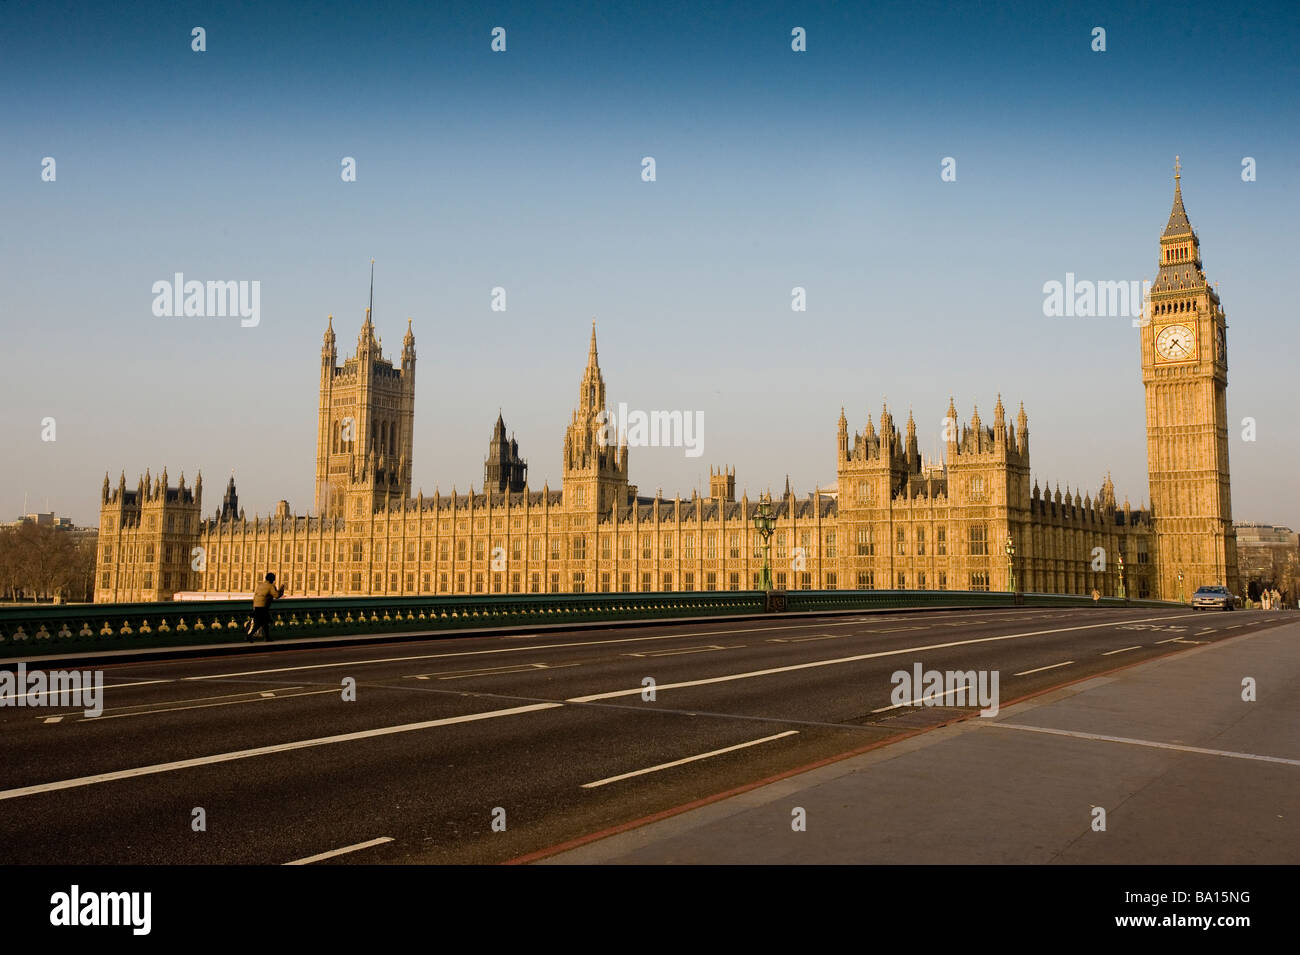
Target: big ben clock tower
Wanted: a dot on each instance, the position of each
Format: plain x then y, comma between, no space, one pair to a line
1185,371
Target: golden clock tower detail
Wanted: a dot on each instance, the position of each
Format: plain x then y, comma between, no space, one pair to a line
1185,371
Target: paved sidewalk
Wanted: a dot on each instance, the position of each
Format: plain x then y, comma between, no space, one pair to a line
1021,787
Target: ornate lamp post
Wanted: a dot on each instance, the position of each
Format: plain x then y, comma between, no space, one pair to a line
765,526
1011,562
1123,594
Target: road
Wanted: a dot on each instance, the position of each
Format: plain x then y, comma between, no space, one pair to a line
549,735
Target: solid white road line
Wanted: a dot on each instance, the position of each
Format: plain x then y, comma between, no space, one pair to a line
531,649
338,852
261,698
107,686
502,671
144,707
1041,669
925,699
637,690
820,636
211,699
673,653
1144,742
549,646
1122,650
266,750
688,759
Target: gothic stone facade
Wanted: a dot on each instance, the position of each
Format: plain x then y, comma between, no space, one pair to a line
891,521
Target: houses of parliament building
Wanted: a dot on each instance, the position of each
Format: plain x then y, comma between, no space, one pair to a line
890,521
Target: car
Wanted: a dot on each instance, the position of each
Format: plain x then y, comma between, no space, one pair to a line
1212,598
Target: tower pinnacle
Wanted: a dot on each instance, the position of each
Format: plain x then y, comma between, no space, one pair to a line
1178,222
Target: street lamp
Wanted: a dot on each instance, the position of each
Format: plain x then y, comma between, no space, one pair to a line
1123,594
1011,562
765,527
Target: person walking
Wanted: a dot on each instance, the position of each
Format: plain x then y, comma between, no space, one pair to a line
263,596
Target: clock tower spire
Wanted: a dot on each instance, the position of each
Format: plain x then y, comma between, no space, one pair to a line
1185,372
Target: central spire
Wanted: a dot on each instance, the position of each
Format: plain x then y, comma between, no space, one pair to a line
1180,249
366,338
591,393
1178,222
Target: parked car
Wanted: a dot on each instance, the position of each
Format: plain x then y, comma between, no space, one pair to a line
1212,598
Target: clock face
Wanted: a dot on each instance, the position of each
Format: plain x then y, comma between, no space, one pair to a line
1176,343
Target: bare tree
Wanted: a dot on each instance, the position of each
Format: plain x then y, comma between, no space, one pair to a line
46,563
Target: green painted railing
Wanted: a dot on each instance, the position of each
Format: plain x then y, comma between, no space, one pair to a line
44,628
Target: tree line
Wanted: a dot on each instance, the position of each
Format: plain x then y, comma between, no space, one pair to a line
42,563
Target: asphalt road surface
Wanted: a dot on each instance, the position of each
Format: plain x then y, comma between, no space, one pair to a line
499,748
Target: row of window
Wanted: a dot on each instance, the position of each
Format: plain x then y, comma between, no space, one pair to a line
576,549
711,581
352,583
383,437
978,545
864,491
498,582
151,523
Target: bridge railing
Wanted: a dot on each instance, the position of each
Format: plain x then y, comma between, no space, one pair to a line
45,628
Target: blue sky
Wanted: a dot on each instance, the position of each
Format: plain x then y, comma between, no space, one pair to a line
522,169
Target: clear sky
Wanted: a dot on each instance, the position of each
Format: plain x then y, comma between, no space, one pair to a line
522,170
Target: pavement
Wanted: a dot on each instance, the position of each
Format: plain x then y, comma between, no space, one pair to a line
1186,771
524,746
